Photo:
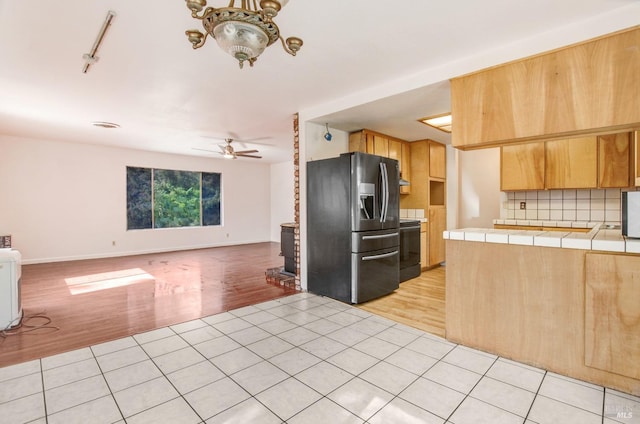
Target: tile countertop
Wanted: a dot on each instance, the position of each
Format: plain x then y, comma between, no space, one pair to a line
599,238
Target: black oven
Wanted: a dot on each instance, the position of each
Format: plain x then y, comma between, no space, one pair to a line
409,249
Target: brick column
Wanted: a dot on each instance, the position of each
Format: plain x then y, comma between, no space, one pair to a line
296,188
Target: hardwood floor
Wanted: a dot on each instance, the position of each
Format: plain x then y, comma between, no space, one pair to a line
419,302
94,301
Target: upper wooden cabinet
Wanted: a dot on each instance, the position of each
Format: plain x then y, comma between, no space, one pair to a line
522,167
394,151
367,141
586,88
580,163
419,198
614,161
380,146
361,141
405,167
437,160
571,163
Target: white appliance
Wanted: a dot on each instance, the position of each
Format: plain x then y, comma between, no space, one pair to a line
631,214
10,299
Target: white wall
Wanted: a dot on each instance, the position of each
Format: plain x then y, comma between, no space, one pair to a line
319,148
282,197
478,187
452,187
64,201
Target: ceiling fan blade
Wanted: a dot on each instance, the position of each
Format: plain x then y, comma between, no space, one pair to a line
204,150
240,152
244,143
249,156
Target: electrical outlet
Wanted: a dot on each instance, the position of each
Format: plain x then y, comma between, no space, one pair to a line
523,205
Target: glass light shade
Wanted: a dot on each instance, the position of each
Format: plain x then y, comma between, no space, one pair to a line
241,40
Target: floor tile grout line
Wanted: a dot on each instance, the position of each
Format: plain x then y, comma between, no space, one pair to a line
44,395
111,393
416,379
538,394
604,403
466,395
321,360
180,395
297,325
535,397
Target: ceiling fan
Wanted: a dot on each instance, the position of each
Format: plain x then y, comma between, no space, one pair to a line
230,153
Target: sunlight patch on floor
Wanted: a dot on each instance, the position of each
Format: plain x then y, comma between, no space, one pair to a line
107,280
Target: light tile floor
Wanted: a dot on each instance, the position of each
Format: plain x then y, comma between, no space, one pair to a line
300,359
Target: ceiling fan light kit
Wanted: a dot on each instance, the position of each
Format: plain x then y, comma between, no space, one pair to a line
228,152
244,32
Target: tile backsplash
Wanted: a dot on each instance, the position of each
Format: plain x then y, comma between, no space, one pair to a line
602,205
412,213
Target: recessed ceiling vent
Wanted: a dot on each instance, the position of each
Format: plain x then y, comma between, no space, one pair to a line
103,124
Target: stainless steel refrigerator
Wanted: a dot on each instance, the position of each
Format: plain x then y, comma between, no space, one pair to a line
353,227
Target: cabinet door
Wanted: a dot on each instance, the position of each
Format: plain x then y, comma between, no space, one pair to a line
437,160
405,167
612,316
419,198
424,245
522,167
395,151
358,142
571,163
380,146
636,155
614,161
577,88
437,224
361,141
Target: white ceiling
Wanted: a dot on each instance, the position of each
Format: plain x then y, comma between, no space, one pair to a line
168,97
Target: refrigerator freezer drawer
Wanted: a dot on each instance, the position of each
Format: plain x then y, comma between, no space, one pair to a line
366,241
374,274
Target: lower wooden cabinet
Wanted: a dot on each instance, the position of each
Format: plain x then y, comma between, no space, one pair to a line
636,157
437,225
612,315
424,245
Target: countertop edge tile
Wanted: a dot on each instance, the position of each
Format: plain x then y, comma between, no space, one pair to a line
604,240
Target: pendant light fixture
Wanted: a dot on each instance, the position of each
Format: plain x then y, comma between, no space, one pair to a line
244,32
327,135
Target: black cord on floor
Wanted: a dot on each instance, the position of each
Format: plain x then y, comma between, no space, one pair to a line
25,327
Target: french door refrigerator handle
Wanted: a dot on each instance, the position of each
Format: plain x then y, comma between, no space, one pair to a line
385,192
380,236
382,256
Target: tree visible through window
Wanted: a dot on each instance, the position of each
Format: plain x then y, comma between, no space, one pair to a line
162,198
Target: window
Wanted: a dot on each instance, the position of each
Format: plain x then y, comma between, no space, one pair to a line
163,198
